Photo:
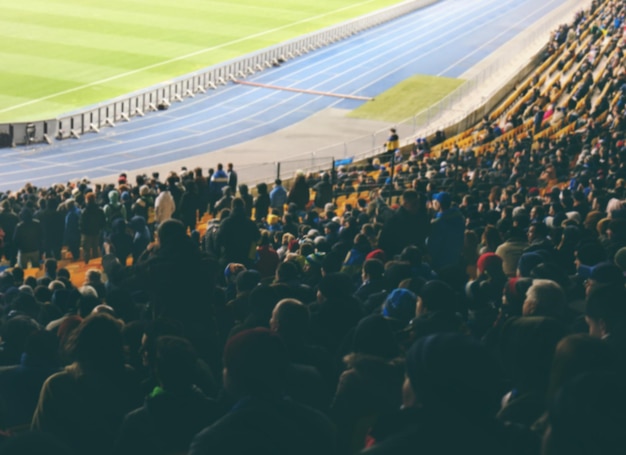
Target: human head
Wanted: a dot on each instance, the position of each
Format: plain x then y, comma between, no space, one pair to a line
587,416
255,364
450,372
98,346
290,319
174,363
605,310
436,295
400,305
442,200
545,298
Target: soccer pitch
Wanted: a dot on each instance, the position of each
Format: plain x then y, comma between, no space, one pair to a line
60,55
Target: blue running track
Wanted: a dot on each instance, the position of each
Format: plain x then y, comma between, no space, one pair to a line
444,39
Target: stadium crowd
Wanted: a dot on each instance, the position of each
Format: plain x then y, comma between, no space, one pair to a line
473,302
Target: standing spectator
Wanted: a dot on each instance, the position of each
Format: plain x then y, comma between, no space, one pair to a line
144,205
189,204
323,191
299,192
219,179
244,193
8,222
52,224
278,196
71,234
28,238
114,209
232,178
121,241
392,144
92,222
141,238
407,226
447,233
261,202
237,236
164,205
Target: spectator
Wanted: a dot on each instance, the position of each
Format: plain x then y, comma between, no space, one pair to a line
407,226
92,222
255,364
278,196
84,405
175,410
27,239
164,205
445,243
237,236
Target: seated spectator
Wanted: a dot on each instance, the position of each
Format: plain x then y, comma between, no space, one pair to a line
255,365
450,398
545,298
371,385
20,384
526,348
587,416
511,250
175,410
84,405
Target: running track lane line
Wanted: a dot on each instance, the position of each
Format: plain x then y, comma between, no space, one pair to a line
302,90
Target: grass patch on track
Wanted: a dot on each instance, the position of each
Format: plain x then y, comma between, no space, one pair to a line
407,98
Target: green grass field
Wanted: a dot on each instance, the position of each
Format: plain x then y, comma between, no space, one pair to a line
407,98
59,55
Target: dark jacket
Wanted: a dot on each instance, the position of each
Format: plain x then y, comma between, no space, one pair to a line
371,387
447,235
19,390
166,423
28,235
277,427
401,230
53,224
84,410
427,433
92,220
237,237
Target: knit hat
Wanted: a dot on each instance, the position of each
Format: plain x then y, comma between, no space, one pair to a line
374,336
315,259
488,261
437,295
527,262
444,199
377,254
607,273
400,304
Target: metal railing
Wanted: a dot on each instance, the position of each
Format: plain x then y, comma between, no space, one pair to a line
108,113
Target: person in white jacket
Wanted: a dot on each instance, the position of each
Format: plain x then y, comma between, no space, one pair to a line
164,206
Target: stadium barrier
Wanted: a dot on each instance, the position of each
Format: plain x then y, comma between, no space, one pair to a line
109,113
